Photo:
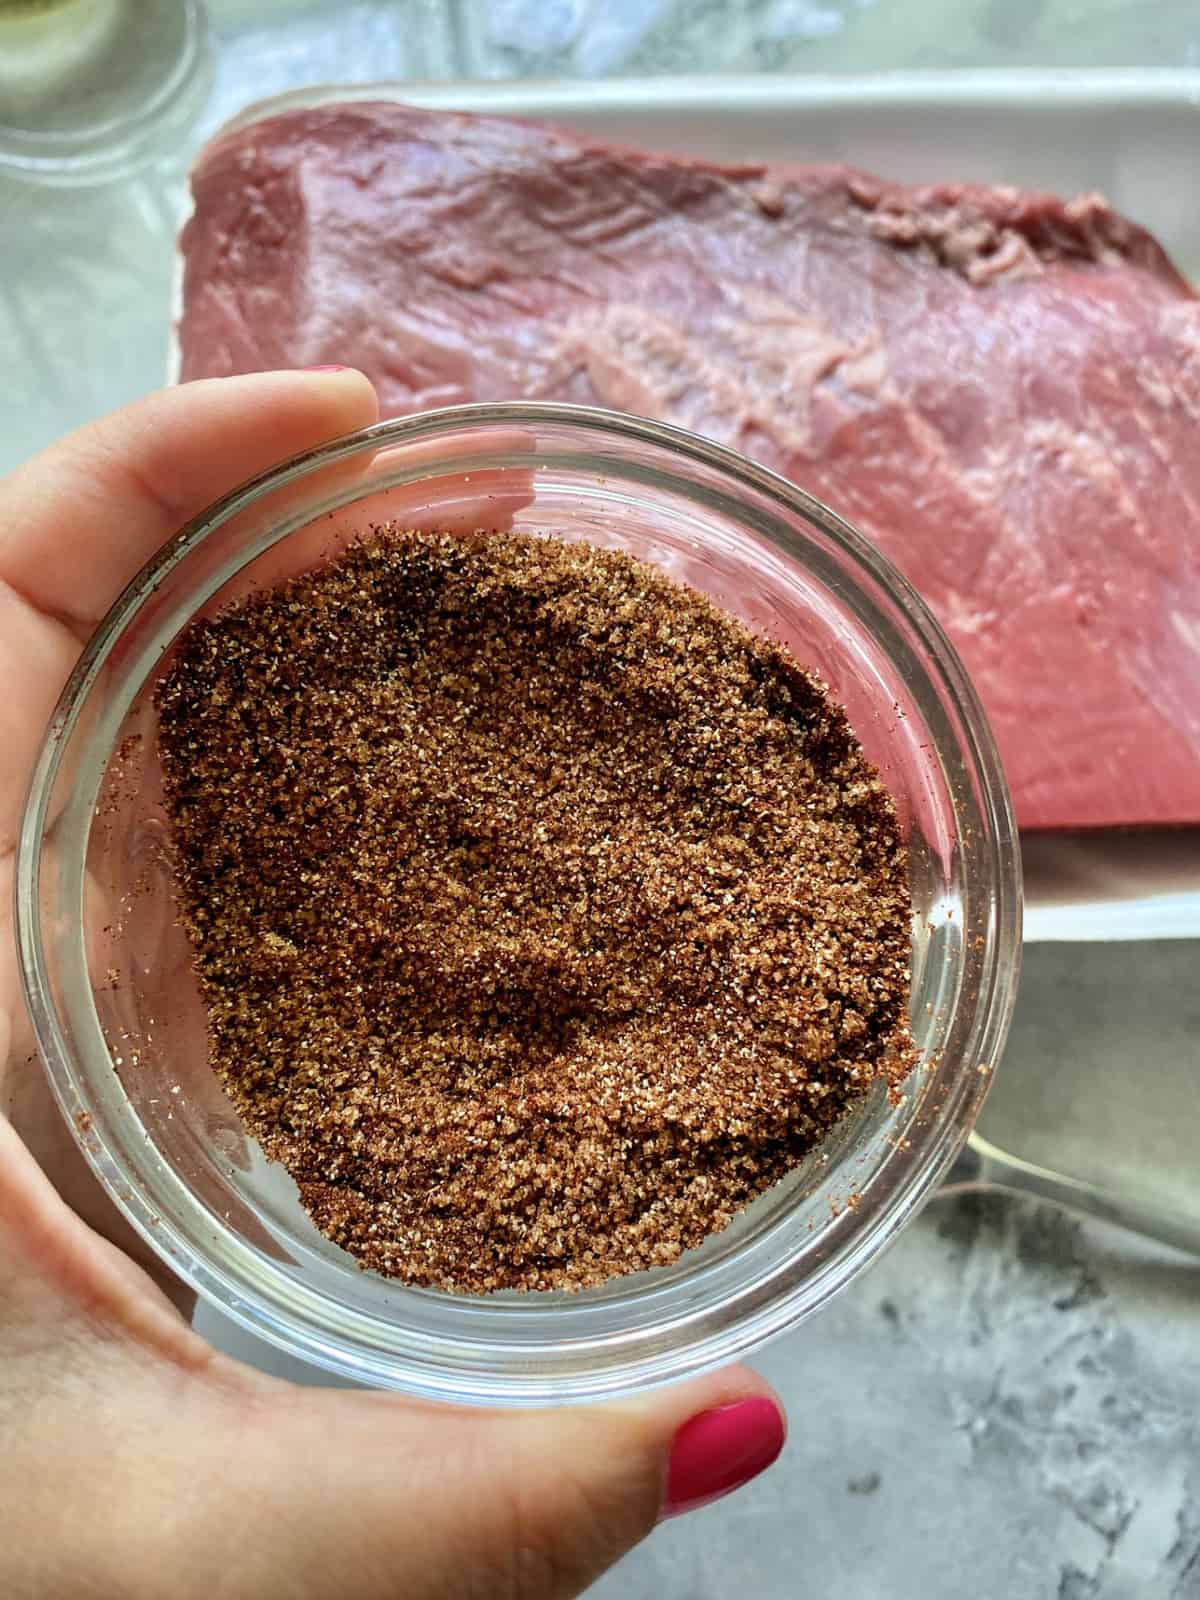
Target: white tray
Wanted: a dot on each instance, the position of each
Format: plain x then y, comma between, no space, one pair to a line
1134,135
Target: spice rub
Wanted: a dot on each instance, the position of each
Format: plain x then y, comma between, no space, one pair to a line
544,915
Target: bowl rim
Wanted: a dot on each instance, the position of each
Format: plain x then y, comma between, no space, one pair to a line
854,1240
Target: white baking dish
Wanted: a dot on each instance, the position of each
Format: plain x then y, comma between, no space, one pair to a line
1134,135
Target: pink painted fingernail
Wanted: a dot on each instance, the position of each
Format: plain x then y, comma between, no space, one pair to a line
720,1450
333,367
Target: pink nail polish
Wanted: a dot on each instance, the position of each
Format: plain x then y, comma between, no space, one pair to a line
720,1450
335,367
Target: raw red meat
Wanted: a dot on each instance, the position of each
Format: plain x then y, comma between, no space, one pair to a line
1001,388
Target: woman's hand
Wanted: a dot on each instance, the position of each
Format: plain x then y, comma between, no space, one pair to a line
135,1461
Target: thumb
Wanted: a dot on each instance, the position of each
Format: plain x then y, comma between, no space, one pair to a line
367,1496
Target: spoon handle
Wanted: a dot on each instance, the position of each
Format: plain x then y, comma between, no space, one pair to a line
983,1165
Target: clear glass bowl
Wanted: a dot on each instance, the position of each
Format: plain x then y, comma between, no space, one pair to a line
119,1019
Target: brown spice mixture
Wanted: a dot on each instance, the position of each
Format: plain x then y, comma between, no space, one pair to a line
545,916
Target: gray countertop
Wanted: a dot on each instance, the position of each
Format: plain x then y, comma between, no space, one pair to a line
1005,1406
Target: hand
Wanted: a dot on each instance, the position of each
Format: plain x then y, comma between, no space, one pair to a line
137,1461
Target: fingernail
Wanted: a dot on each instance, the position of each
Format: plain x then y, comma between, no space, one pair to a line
720,1450
333,367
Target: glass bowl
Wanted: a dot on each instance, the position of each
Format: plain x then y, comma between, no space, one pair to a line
117,1012
94,90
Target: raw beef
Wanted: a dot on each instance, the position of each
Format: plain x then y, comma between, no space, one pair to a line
1001,388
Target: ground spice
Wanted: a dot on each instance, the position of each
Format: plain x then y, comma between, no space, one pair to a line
544,915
